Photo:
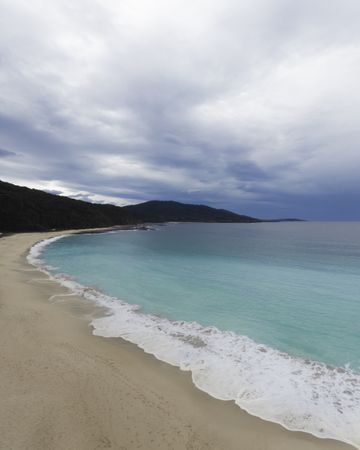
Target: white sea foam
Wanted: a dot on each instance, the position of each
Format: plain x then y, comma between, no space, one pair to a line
34,256
300,394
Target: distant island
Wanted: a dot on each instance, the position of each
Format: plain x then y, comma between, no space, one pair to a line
24,209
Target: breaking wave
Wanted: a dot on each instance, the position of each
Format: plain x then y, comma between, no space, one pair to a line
300,394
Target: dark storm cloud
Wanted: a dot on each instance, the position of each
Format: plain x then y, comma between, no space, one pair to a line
248,105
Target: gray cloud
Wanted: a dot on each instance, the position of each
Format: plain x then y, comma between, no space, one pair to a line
249,105
6,153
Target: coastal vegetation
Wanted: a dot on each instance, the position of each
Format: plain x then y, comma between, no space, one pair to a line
25,209
170,211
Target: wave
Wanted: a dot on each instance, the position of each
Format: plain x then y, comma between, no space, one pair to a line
34,256
300,394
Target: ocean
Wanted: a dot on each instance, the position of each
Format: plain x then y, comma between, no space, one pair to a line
266,314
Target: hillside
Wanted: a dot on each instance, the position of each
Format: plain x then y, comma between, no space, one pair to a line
24,209
170,211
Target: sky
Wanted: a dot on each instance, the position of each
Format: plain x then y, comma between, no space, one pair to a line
250,105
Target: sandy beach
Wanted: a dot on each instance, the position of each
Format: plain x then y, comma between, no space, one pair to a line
63,388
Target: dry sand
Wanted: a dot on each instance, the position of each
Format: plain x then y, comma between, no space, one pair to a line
63,388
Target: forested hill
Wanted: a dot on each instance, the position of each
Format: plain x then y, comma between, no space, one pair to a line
24,209
170,211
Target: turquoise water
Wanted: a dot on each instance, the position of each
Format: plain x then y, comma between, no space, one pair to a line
292,288
295,287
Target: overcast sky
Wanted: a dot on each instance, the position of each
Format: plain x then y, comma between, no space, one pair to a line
251,105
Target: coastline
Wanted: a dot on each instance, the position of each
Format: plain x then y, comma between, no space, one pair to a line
62,387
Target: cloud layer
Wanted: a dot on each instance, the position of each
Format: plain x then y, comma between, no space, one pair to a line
250,105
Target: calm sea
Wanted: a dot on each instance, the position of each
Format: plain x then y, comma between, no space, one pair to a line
267,315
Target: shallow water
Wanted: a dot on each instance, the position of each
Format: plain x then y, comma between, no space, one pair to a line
255,311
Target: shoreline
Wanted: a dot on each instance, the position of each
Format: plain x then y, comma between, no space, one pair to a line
63,387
